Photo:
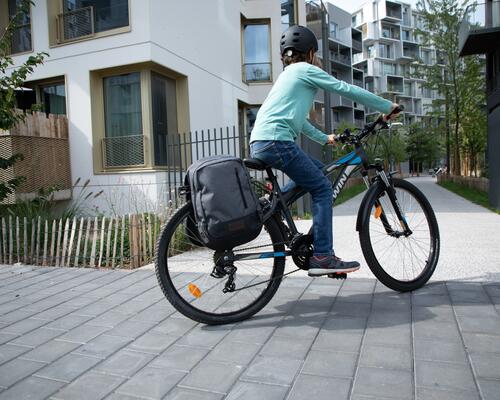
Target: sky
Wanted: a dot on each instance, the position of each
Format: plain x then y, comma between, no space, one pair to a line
353,5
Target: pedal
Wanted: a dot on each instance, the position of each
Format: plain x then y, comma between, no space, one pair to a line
341,275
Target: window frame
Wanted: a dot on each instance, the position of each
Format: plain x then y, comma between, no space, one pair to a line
98,117
5,20
257,21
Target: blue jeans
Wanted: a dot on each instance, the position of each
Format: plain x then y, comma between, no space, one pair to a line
307,173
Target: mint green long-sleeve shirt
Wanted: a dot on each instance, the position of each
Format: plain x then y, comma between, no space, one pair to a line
283,115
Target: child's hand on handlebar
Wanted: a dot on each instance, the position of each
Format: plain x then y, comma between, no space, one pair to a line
393,114
332,139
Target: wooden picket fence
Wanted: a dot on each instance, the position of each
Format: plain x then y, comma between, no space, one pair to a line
113,242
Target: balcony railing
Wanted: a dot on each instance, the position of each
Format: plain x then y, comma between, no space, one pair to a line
342,58
257,72
123,151
358,82
480,28
76,24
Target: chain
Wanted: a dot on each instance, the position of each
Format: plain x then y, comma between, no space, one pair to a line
269,280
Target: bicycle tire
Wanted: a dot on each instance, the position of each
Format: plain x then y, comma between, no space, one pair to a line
367,235
186,307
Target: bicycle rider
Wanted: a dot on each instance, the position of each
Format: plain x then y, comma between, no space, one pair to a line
283,115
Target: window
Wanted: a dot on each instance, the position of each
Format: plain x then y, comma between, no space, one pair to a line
21,38
426,56
333,29
406,35
371,51
53,98
257,53
124,143
164,112
287,14
83,18
384,51
389,68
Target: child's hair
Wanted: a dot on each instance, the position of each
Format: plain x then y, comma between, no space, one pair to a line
292,56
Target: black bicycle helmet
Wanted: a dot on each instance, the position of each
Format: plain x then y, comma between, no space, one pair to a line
298,38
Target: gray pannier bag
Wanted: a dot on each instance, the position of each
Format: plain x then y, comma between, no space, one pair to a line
226,210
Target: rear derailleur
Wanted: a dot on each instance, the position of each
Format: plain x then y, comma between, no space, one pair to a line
224,266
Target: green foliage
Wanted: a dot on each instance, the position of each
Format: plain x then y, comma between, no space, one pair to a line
349,193
12,79
458,80
422,145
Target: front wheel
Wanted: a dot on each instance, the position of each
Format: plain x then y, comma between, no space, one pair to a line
400,262
186,274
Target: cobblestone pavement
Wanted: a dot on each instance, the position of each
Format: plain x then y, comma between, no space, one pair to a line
70,333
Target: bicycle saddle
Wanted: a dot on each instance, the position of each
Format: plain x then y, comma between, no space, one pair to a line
255,163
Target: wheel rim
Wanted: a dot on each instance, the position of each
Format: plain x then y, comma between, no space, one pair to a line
404,259
189,267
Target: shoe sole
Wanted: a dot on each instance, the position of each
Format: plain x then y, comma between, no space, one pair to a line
326,271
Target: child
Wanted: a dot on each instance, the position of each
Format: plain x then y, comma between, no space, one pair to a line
283,116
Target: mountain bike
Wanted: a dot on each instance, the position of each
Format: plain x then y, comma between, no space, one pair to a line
398,232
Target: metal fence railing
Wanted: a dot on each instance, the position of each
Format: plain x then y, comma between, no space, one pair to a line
76,24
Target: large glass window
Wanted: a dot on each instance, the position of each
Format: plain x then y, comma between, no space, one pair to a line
124,143
21,38
389,68
53,98
287,14
257,54
164,113
106,15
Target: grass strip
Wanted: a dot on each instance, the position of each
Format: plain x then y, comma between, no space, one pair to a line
475,196
349,193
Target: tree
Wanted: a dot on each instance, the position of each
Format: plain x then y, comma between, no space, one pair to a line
449,78
12,79
422,146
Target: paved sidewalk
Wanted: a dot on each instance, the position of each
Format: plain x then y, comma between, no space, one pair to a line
68,333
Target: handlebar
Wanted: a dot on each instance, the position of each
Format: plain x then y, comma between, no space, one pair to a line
376,125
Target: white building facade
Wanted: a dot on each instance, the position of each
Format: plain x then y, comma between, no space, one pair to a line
130,74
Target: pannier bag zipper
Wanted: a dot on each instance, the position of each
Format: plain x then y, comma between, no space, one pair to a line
241,189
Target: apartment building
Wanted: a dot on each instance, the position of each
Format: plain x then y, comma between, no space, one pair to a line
131,73
344,42
390,48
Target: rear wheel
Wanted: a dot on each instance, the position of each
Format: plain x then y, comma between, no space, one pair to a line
400,262
184,271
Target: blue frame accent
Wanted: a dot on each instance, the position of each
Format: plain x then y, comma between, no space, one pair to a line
273,254
350,159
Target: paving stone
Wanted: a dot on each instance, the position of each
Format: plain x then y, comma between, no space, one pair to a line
191,394
206,336
151,342
151,383
478,342
431,301
109,319
252,390
486,365
83,333
250,333
344,308
17,369
125,363
389,335
436,394
476,310
235,352
32,388
50,351
437,331
103,346
54,313
359,284
330,364
68,322
180,357
440,351
352,296
272,370
342,324
299,327
212,376
10,351
320,388
490,389
38,337
94,385
285,347
68,367
388,319
386,357
384,383
466,296
24,326
130,329
444,376
175,326
480,325
121,396
18,316
438,314
337,341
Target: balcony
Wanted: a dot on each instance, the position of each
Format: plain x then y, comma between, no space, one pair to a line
343,59
43,142
394,84
390,32
393,11
480,29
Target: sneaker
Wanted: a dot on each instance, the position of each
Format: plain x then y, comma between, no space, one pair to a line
324,265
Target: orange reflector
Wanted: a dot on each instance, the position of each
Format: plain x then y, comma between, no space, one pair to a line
194,290
378,211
